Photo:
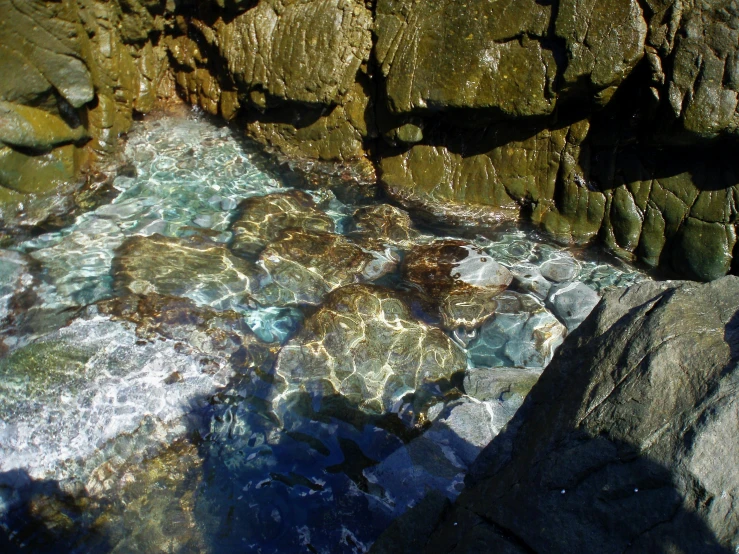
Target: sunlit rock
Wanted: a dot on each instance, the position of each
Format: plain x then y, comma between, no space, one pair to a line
461,277
499,383
365,344
467,308
262,218
454,264
386,225
303,267
198,269
523,335
572,303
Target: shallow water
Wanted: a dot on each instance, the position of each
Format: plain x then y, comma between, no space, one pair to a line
187,424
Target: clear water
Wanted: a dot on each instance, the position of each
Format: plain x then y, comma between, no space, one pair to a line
114,440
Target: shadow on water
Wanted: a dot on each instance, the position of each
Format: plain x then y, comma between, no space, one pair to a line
241,479
254,475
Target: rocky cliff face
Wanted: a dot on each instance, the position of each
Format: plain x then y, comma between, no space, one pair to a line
614,119
73,74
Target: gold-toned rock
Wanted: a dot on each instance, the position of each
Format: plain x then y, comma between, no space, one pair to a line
386,225
467,308
462,279
201,270
365,344
305,266
264,217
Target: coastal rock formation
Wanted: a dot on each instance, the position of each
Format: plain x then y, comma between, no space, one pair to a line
622,445
613,120
73,74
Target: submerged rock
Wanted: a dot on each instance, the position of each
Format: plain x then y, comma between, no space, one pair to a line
572,303
439,459
530,278
68,393
460,277
365,344
212,332
521,334
264,217
15,279
623,439
386,225
198,269
467,308
303,267
560,268
448,265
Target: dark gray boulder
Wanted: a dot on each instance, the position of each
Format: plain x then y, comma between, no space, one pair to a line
628,441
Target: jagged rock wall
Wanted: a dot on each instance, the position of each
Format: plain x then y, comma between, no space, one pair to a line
613,119
610,119
72,74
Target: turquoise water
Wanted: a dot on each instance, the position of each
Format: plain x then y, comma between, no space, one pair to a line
171,424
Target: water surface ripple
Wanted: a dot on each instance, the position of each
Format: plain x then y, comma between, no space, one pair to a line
184,371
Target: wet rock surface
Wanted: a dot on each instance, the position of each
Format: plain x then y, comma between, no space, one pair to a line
262,219
386,225
365,344
525,337
572,303
303,267
141,312
448,265
618,443
74,72
197,269
460,277
609,119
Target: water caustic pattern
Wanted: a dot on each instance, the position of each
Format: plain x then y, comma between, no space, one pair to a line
213,361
